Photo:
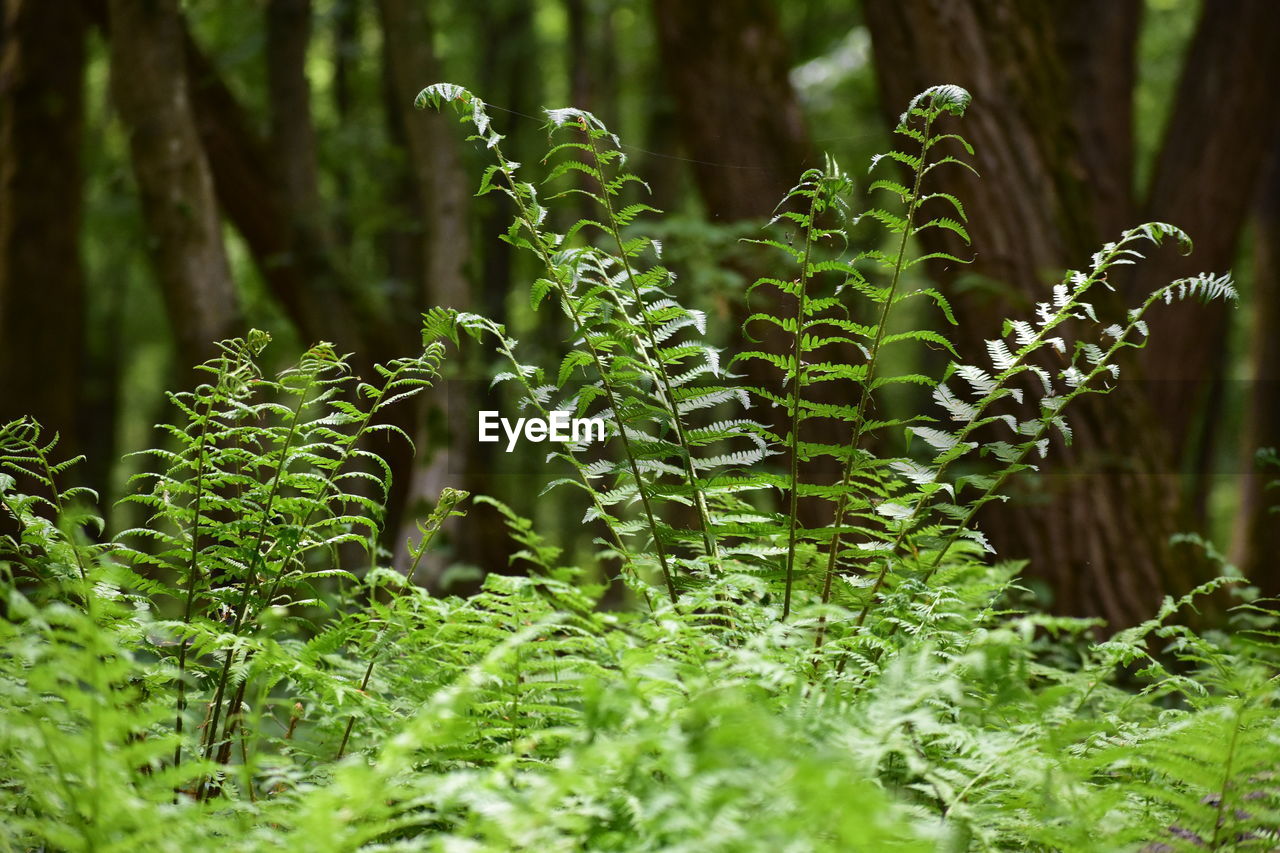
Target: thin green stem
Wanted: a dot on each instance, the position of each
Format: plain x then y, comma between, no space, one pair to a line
539,245
504,346
864,389
797,382
428,535
660,370
250,578
192,572
908,524
1046,423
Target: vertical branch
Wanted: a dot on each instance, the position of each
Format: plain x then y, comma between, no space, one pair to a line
440,202
529,221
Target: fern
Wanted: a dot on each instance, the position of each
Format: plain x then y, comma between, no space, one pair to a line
649,372
244,666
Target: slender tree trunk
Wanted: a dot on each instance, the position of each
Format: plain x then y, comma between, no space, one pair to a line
439,200
149,86
441,191
346,36
593,80
593,58
41,278
1054,186
316,291
293,138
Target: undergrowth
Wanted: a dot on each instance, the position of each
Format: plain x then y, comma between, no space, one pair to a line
244,670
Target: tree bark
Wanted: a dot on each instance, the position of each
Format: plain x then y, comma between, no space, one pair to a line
1056,184
1257,535
318,297
440,190
439,197
149,86
41,277
1213,153
727,65
346,36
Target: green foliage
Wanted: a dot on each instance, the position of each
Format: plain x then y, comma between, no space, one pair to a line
244,666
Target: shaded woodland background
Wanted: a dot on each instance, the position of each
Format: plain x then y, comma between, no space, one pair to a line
176,173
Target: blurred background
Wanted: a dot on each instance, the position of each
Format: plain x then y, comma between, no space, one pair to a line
173,173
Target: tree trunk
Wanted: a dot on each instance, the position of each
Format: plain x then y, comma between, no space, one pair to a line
593,59
41,278
440,197
1257,536
318,287
727,66
346,46
1055,186
1203,182
149,87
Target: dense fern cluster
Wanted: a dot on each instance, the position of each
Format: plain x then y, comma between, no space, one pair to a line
244,668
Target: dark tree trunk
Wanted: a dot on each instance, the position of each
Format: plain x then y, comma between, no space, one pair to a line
1212,157
1257,539
319,297
346,35
41,278
320,302
149,86
441,190
293,138
515,93
727,66
593,58
1055,185
593,80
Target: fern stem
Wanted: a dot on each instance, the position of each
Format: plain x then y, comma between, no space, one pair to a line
428,535
504,346
249,582
329,483
864,389
908,524
793,437
660,370
1220,815
59,508
539,245
331,479
1046,423
192,570
1016,367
